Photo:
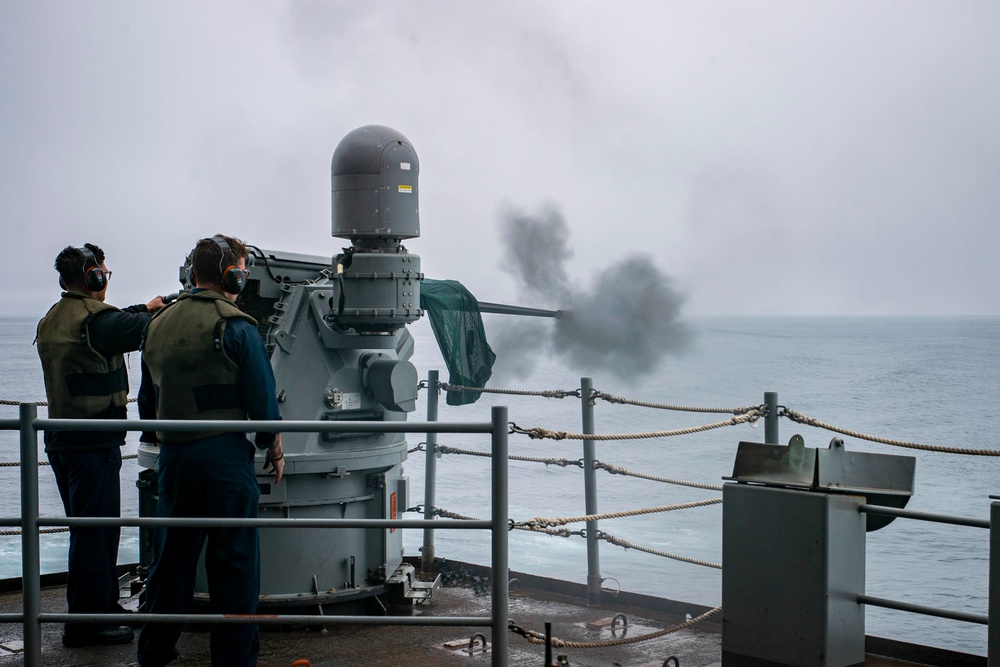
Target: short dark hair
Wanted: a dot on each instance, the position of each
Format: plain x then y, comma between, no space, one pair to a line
71,264
208,259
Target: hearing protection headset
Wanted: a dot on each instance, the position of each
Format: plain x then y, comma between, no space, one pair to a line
233,277
94,277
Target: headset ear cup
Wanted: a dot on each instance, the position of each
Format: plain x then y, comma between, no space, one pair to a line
233,279
95,279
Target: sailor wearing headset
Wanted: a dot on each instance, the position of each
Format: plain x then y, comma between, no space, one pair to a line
204,359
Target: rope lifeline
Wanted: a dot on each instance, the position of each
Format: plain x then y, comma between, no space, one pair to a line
17,464
617,541
443,449
611,398
563,463
561,521
538,433
556,532
549,393
536,637
41,531
800,418
43,403
618,470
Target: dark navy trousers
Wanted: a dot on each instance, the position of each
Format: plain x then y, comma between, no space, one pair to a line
213,477
89,486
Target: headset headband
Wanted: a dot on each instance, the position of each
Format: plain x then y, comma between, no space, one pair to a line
224,247
88,257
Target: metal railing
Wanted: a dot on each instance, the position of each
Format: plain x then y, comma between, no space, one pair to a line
32,616
982,619
30,522
772,413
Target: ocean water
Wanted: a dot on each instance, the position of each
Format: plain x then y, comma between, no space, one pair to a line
918,379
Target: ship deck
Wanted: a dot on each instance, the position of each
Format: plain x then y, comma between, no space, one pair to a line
533,602
360,646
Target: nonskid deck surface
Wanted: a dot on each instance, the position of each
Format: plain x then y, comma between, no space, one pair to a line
411,646
391,646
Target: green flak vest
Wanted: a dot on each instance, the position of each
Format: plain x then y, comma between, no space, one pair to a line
192,375
79,381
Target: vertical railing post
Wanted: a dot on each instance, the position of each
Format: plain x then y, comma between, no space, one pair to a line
590,492
31,585
430,475
771,418
993,643
501,558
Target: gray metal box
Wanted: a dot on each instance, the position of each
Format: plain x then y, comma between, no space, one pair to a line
793,564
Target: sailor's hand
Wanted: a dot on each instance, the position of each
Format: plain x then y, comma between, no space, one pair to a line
155,304
275,459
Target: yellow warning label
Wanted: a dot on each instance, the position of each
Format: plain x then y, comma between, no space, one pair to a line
406,188
392,509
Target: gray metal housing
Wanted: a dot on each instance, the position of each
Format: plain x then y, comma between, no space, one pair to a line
374,182
328,372
326,369
793,551
793,564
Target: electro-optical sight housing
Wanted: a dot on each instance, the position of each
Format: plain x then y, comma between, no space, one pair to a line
374,179
374,182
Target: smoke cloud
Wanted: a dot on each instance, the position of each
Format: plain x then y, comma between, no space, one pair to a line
623,323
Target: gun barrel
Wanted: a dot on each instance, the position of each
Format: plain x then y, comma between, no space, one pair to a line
503,309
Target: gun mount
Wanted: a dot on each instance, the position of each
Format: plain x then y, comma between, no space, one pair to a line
336,332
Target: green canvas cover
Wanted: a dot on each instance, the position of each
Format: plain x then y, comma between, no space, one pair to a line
458,328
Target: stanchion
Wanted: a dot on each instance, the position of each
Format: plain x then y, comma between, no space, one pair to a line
500,545
590,493
430,475
30,550
771,435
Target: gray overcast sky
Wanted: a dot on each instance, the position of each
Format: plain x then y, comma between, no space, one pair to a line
771,157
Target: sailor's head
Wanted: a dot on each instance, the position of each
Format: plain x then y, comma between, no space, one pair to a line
220,263
83,269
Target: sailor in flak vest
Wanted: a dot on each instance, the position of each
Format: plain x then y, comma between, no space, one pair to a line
204,359
81,342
